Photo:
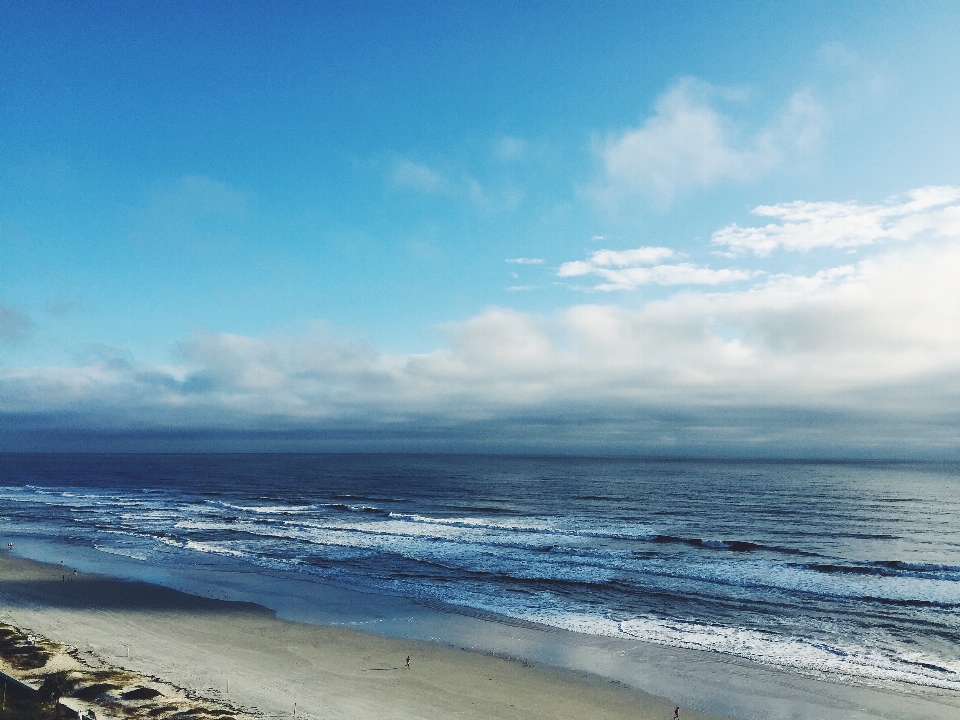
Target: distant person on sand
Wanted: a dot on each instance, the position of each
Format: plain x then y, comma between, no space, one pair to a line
676,714
408,661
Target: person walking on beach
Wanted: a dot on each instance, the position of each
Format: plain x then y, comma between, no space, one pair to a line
408,661
676,713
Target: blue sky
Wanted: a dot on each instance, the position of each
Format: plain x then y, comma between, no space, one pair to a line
594,227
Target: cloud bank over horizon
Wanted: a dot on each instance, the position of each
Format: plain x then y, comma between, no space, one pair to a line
412,228
875,341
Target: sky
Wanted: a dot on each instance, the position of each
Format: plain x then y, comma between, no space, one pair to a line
665,229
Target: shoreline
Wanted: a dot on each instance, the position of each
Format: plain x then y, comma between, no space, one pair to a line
623,679
201,645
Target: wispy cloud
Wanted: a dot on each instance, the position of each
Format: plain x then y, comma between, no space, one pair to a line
804,226
14,323
410,175
418,177
525,261
521,288
510,148
689,143
630,269
192,212
64,305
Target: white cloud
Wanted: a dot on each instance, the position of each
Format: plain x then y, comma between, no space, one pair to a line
525,261
884,322
629,269
860,354
805,226
688,143
639,256
837,338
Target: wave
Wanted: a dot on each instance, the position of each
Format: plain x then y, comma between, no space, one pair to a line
869,665
121,552
738,546
267,509
887,568
370,509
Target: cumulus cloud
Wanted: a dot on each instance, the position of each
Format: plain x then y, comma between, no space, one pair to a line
803,226
824,338
892,317
689,143
14,323
630,269
842,348
857,358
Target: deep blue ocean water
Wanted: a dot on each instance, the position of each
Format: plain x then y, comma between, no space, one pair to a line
849,569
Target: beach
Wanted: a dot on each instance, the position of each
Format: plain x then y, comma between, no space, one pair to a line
242,653
203,644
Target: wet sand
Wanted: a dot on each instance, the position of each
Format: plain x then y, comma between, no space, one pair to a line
270,664
461,666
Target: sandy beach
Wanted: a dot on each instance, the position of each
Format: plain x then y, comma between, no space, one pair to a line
270,664
241,652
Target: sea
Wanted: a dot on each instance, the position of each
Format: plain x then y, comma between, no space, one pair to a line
850,570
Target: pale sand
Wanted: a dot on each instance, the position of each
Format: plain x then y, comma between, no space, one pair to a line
201,644
332,672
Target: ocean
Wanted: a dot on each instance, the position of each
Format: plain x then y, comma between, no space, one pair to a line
845,570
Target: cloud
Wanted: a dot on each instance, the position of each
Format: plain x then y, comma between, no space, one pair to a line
630,269
196,193
804,226
865,350
688,143
14,323
852,360
410,175
877,342
854,357
421,178
64,305
193,212
525,261
510,148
